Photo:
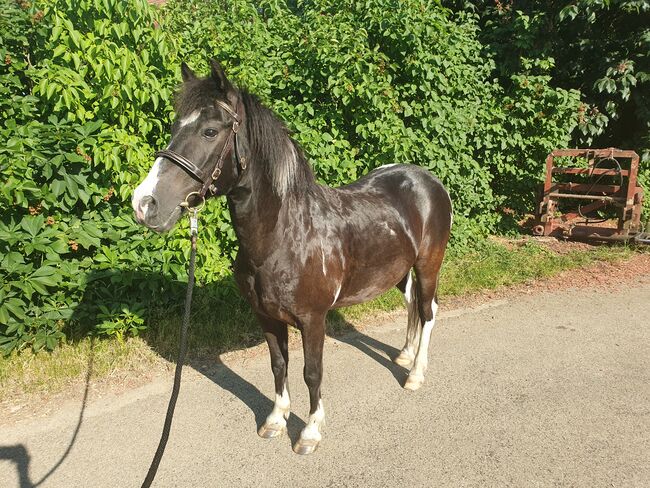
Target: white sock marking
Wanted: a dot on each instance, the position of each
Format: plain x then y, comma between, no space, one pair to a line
312,430
421,359
280,412
412,330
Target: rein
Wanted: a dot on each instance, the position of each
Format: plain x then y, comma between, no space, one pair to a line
182,351
208,186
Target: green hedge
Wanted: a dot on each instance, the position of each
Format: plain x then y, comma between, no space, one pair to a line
86,97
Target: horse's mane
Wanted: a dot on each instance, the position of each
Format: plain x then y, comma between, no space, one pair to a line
269,140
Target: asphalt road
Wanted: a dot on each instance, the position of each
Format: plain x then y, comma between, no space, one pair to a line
541,390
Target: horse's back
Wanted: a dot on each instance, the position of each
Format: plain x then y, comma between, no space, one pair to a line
411,191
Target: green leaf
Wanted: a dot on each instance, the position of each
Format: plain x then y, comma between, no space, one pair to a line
72,187
32,224
44,271
59,247
57,187
16,306
59,50
4,315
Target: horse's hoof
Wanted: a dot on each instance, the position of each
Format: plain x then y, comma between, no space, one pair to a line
413,382
305,446
269,431
404,359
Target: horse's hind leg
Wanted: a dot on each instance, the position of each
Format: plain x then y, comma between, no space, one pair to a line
407,354
276,334
427,270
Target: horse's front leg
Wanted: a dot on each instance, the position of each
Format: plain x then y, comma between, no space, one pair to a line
313,338
276,334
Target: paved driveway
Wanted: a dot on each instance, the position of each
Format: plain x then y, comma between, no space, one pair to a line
543,390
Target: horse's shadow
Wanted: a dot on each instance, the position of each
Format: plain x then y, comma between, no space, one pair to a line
220,299
261,405
381,352
19,454
159,290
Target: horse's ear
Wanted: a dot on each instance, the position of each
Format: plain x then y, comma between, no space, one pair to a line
219,75
186,72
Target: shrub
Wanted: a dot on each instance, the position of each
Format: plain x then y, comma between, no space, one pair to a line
86,96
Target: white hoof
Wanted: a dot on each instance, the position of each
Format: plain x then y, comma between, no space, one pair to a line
270,431
306,446
404,359
413,382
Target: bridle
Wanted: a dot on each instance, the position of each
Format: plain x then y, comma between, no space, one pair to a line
209,180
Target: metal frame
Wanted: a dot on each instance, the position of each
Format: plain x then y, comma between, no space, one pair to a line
628,198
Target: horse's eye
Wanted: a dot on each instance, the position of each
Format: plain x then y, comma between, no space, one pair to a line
210,133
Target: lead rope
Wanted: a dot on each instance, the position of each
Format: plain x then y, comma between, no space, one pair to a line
181,357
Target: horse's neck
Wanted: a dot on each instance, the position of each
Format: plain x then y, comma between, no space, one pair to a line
256,212
260,210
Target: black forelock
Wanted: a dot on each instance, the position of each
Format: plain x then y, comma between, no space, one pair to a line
196,94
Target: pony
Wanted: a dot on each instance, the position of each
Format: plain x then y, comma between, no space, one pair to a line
304,248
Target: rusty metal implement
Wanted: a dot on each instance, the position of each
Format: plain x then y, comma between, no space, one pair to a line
608,181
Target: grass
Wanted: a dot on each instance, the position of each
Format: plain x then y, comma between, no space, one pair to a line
46,373
224,322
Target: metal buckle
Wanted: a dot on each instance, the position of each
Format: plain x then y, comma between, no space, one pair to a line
186,203
216,173
235,127
194,223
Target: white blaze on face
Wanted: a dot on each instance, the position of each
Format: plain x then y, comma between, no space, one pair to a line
146,188
190,118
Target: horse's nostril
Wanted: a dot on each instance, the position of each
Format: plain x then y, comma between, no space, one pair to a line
148,205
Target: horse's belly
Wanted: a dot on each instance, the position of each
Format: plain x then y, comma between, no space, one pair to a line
367,282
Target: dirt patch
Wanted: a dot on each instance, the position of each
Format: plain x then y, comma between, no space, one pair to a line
558,246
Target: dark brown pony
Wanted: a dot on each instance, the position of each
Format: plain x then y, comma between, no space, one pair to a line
304,248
